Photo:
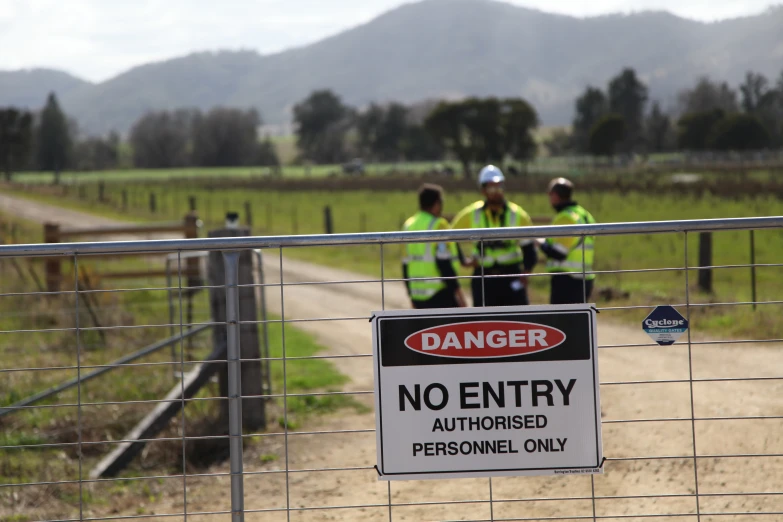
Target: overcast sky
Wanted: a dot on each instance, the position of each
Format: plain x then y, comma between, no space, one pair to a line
96,39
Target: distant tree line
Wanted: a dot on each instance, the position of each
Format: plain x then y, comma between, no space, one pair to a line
618,120
221,137
709,117
471,130
35,141
50,141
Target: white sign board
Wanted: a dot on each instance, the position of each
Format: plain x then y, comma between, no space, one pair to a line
478,392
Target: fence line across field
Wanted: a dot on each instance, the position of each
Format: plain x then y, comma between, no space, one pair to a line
182,252
379,238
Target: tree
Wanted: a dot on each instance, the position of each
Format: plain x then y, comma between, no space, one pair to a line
770,113
707,96
658,127
628,97
160,139
446,124
738,132
482,120
591,106
97,153
607,134
368,126
382,131
54,140
267,154
322,122
484,129
695,129
517,119
419,145
16,136
753,90
225,138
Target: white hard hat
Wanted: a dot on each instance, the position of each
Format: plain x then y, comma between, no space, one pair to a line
491,174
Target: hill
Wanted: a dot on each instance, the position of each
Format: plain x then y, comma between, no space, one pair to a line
30,87
438,48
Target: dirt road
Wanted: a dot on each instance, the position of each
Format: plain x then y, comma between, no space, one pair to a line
659,486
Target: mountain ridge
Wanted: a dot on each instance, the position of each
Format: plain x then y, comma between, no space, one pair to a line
431,49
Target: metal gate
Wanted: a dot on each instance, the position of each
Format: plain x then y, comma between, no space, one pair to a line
692,431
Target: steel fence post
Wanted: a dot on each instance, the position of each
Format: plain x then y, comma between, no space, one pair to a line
264,320
231,264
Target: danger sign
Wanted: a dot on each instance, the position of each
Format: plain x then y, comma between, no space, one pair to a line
476,392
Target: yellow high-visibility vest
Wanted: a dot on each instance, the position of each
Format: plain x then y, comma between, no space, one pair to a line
421,259
573,247
494,253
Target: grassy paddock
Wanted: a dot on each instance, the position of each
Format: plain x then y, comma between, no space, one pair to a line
301,212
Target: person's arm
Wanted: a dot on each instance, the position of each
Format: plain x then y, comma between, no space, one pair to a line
529,257
558,248
463,221
529,252
445,255
554,250
446,271
460,297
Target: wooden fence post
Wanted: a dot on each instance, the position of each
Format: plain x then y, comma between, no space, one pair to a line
705,260
191,232
124,200
753,269
252,372
192,203
153,203
102,192
328,228
295,222
52,264
248,215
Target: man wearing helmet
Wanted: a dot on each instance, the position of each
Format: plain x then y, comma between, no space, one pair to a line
511,260
569,259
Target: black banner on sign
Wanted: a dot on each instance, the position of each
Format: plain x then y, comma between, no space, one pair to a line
549,336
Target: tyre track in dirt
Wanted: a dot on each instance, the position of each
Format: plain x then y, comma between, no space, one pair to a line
321,309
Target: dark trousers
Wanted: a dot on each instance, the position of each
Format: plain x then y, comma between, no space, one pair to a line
498,291
569,290
443,299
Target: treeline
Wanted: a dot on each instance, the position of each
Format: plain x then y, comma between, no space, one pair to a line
50,141
35,141
470,130
617,120
221,137
710,116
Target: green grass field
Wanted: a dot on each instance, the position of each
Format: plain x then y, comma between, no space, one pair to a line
301,212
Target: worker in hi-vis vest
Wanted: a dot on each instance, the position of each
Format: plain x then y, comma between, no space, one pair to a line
512,260
430,269
569,259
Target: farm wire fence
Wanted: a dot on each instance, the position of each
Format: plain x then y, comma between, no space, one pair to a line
691,432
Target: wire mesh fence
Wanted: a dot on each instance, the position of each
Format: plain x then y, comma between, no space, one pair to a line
691,431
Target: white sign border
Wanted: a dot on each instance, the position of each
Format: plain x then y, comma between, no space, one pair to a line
590,308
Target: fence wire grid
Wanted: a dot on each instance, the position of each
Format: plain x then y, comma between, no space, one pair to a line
100,421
